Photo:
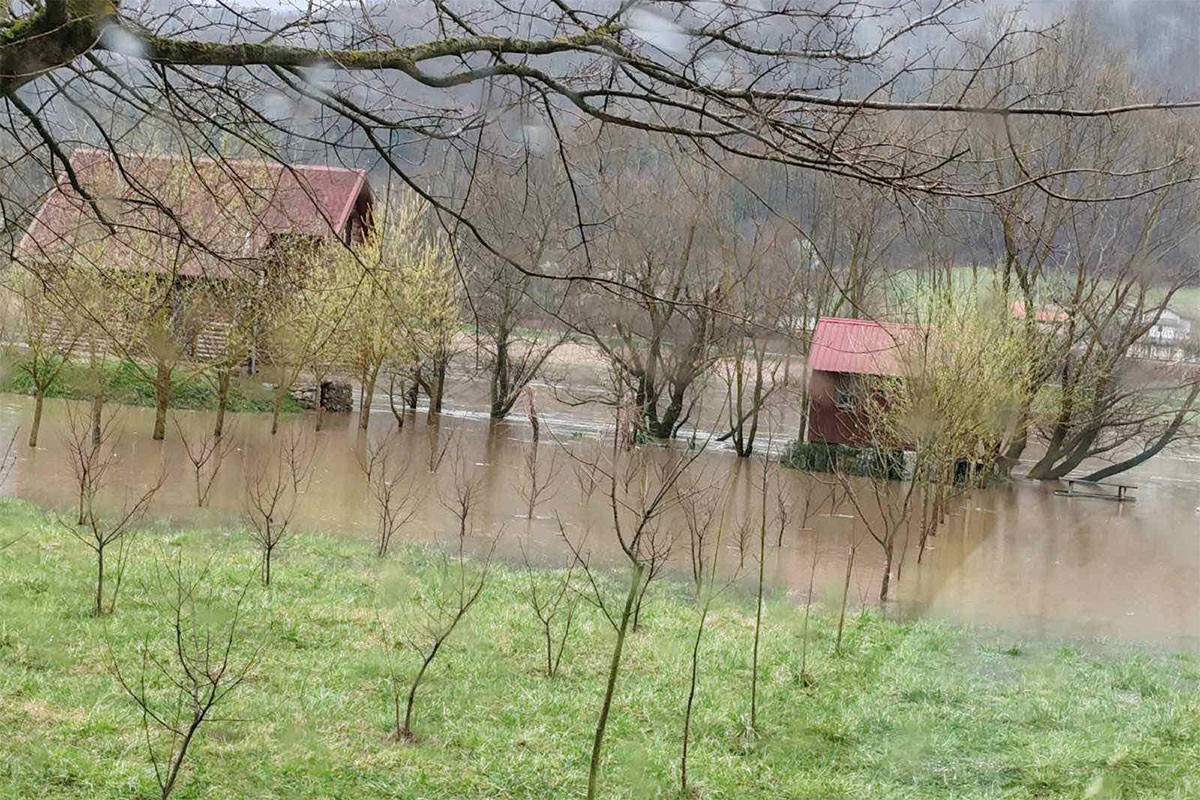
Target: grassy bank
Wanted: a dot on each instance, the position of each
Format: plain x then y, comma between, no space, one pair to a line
126,385
915,710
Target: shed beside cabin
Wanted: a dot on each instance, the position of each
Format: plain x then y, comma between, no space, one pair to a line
842,354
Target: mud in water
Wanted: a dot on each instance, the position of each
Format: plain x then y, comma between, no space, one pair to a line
1017,558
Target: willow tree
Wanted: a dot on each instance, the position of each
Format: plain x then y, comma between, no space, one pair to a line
953,408
51,331
430,328
1087,280
372,291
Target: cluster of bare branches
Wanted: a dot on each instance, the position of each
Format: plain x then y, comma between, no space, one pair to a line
391,489
554,598
203,654
274,487
439,605
100,530
206,453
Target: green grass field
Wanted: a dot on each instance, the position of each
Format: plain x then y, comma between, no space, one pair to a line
918,710
126,385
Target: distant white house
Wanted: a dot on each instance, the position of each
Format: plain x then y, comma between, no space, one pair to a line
1168,339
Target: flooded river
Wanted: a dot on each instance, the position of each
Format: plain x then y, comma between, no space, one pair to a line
1017,558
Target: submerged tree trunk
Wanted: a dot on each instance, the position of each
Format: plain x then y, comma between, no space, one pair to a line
97,417
162,400
368,394
436,388
224,377
38,399
885,583
500,390
397,411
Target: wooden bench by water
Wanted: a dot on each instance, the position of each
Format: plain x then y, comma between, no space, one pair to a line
1077,487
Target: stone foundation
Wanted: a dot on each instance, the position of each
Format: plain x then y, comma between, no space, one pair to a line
334,396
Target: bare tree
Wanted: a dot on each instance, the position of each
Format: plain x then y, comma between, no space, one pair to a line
885,508
538,481
103,533
186,675
391,489
663,339
90,451
704,525
758,347
100,531
554,599
7,460
273,490
851,553
441,602
516,316
705,562
760,590
641,487
206,452
440,442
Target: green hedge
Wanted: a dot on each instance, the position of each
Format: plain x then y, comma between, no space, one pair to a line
827,457
126,385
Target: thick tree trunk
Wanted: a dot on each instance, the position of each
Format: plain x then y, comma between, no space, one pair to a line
437,387
500,389
162,400
368,394
224,377
276,409
38,399
97,417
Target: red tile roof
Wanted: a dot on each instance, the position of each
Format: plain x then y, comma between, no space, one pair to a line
858,347
222,211
1047,313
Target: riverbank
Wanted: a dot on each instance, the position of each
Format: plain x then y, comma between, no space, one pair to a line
918,710
126,385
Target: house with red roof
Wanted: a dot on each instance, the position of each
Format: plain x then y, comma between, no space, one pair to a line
844,355
191,219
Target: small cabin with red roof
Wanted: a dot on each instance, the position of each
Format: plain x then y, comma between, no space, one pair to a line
843,353
192,220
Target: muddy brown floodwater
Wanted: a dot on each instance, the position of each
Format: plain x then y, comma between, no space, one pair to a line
1017,558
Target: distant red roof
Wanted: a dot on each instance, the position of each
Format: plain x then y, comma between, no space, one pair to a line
222,211
1047,313
858,346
